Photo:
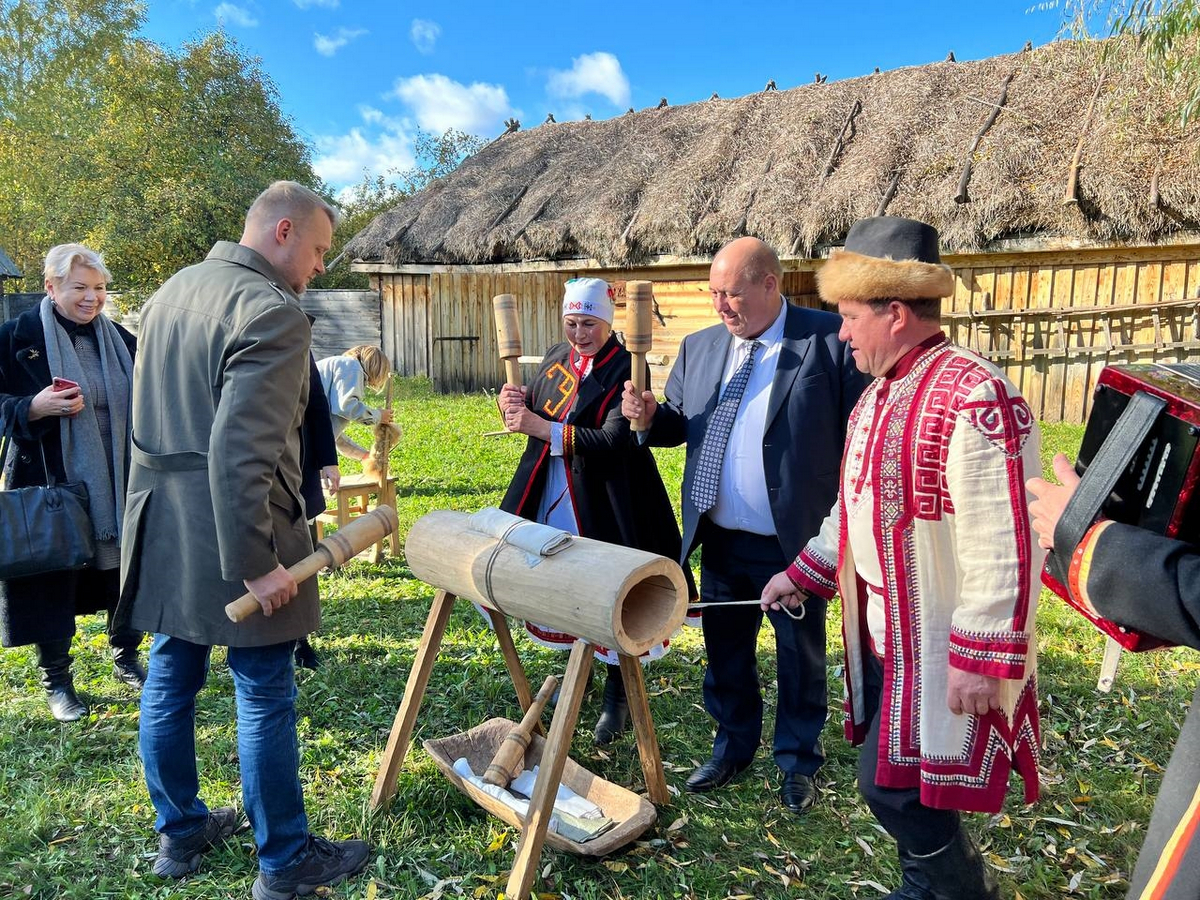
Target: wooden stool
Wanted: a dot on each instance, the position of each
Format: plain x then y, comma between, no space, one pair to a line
353,498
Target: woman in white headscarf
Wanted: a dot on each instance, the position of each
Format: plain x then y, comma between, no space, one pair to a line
581,471
66,374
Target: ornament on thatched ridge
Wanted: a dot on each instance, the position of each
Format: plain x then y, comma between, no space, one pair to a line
770,86
1028,46
876,72
818,78
950,57
549,119
511,125
715,96
662,104
628,111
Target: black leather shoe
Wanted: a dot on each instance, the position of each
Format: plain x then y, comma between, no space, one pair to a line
798,792
65,704
714,774
127,668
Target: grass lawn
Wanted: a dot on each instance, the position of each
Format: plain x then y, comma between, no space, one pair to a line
75,821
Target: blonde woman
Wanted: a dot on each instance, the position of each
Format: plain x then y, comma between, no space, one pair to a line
66,374
343,378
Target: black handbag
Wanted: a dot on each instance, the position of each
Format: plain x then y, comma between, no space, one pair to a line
47,527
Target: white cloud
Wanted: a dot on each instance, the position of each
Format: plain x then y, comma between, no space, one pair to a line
593,73
235,15
327,45
439,103
379,147
327,4
424,34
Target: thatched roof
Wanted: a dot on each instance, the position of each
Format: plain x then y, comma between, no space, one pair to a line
682,180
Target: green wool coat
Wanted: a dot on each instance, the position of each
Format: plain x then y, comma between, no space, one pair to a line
214,483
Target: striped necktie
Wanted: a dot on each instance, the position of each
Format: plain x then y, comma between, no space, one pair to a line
716,436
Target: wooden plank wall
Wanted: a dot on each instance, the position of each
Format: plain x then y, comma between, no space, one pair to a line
342,319
440,325
404,304
1055,359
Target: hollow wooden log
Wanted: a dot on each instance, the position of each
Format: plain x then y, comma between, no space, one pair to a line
345,543
625,599
639,334
510,757
1072,193
962,196
508,336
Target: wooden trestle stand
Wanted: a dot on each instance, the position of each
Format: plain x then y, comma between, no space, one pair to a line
624,599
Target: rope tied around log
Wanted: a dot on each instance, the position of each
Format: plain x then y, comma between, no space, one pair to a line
501,543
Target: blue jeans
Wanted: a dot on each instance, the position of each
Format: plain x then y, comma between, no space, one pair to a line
265,689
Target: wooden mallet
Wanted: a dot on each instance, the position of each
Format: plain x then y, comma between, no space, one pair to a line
508,336
345,543
510,756
639,334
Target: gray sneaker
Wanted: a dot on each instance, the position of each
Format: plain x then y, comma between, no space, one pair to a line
325,863
181,856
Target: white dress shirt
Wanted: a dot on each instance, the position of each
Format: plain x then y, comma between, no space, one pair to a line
742,501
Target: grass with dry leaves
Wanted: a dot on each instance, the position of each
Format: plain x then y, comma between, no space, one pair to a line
75,821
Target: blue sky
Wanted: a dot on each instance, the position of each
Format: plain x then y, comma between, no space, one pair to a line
358,78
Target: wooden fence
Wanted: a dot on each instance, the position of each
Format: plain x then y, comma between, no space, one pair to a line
1050,319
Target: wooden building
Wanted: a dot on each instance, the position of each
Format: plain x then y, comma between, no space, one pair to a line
1063,187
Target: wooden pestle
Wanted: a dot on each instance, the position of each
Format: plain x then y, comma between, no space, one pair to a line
343,544
508,336
639,334
510,756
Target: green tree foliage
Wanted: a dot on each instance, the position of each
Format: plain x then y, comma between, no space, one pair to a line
437,155
1165,31
147,154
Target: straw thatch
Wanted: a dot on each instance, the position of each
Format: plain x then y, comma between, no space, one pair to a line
682,180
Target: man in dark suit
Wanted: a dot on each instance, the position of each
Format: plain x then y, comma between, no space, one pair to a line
761,402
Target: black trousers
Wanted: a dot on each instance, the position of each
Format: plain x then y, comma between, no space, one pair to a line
917,828
736,565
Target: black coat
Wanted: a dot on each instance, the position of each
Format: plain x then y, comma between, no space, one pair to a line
618,494
318,446
1146,581
41,607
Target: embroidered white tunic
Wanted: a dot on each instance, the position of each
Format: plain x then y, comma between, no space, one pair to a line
942,454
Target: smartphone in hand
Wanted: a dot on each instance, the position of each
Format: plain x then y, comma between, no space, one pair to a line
62,384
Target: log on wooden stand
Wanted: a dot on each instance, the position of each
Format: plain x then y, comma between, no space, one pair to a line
641,601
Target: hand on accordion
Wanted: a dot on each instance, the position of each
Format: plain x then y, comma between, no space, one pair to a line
1051,499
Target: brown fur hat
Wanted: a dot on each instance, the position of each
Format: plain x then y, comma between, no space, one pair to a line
886,257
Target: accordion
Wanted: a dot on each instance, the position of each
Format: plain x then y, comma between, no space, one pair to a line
1143,431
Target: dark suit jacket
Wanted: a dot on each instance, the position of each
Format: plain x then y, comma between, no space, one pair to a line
816,385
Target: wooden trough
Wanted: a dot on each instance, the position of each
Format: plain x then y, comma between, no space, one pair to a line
633,814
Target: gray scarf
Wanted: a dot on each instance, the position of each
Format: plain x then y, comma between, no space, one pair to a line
83,450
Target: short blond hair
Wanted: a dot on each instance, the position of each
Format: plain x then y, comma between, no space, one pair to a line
374,363
289,200
62,258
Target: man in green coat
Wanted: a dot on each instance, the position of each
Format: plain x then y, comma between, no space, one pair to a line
214,510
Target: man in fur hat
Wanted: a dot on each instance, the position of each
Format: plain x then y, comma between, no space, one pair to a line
930,547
